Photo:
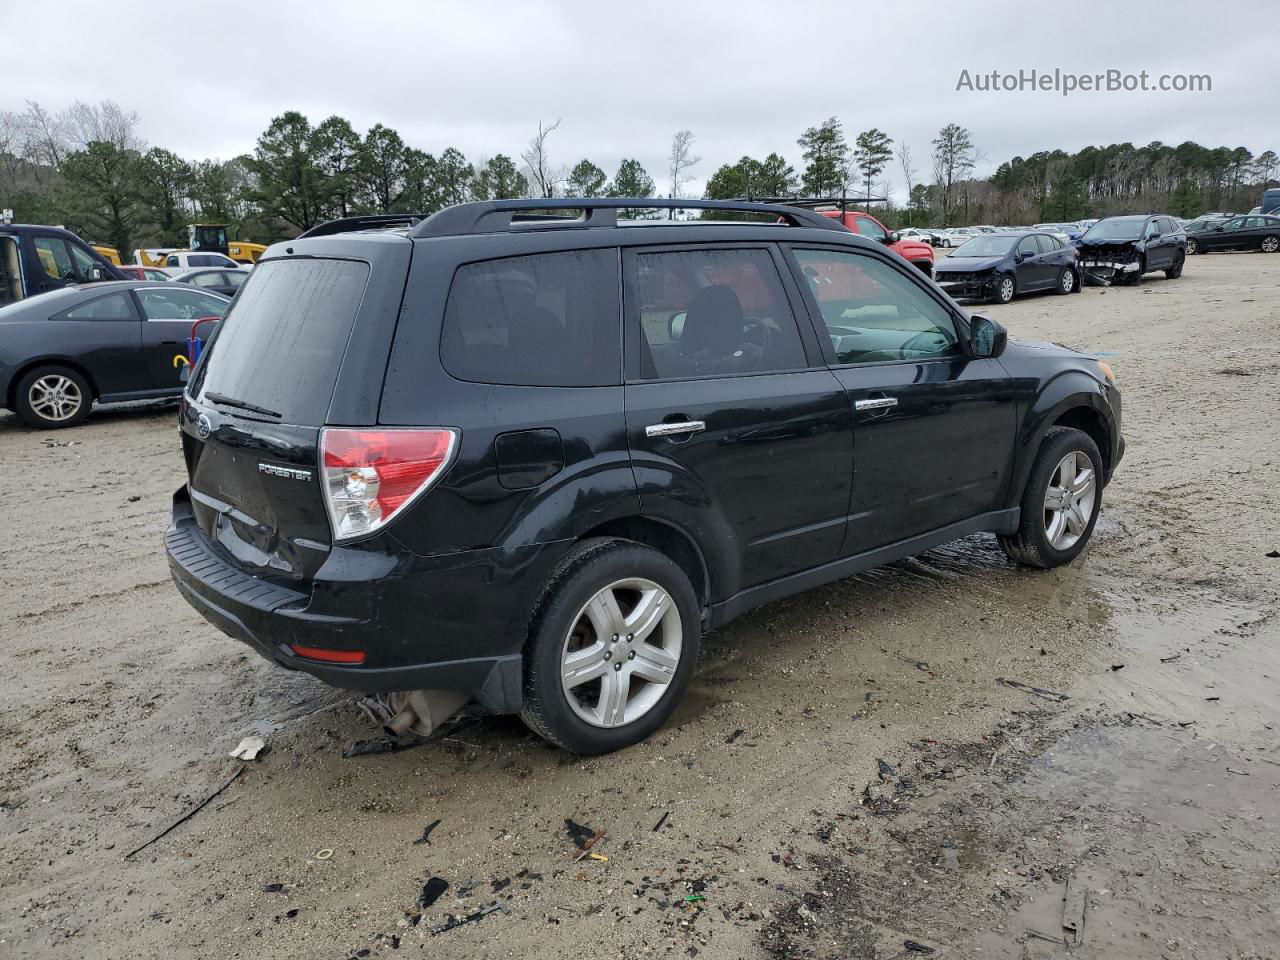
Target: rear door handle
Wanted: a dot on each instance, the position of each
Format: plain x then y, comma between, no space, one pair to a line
875,403
678,428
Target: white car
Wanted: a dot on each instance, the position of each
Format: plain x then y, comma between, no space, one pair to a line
182,261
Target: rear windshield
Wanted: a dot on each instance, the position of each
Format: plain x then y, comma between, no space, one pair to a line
282,342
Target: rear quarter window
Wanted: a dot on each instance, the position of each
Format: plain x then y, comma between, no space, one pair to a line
282,343
546,320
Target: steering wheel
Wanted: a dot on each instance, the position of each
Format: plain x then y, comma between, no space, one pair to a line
928,341
756,331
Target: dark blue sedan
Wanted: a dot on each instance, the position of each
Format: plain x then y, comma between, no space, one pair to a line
999,266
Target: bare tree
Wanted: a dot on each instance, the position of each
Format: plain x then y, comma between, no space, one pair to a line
105,122
542,178
682,159
908,171
44,137
954,158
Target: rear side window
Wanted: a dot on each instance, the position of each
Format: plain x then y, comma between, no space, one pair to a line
548,320
282,343
111,307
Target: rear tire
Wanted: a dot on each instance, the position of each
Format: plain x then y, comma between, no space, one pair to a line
1193,246
1050,533
580,684
51,398
1175,271
1270,244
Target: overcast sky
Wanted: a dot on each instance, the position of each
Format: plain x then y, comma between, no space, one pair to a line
745,77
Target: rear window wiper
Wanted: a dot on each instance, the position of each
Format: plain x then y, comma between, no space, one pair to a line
226,401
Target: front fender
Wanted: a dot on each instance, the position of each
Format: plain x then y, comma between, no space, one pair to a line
1069,390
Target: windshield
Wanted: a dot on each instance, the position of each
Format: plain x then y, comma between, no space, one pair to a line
985,246
282,342
1114,230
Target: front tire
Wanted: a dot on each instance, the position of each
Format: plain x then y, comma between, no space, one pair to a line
612,649
1066,281
1060,503
51,398
1005,289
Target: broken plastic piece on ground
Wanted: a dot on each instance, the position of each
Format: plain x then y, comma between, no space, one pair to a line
453,922
578,833
325,854
884,769
272,887
1037,691
661,820
1273,554
590,842
913,947
426,833
603,859
694,898
249,748
432,890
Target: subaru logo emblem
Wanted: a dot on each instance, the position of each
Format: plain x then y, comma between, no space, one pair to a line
203,426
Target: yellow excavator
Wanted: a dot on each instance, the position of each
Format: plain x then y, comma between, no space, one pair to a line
210,237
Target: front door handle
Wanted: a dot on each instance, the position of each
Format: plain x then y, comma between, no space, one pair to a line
676,429
875,403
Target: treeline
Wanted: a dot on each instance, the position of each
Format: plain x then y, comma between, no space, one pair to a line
87,168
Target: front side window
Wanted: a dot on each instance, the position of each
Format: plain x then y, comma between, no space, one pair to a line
159,304
709,313
874,313
548,320
54,258
1027,247
83,264
209,279
111,307
869,228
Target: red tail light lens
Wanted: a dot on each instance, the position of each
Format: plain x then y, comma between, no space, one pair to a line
371,475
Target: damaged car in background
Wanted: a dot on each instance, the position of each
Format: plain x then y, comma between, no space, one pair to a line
1123,249
999,266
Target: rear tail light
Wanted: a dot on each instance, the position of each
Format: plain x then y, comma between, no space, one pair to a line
371,475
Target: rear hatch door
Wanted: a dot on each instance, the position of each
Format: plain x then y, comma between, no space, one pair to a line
304,345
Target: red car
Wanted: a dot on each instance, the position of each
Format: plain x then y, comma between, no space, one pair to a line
913,251
134,272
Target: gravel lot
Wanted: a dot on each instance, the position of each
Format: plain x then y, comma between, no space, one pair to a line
848,774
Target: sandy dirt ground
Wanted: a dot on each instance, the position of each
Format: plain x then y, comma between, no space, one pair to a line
848,778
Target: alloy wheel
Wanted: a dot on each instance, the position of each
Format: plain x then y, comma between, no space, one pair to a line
1069,500
622,653
1270,244
1068,281
1006,289
55,397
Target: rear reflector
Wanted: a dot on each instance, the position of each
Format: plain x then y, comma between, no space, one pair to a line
328,656
371,475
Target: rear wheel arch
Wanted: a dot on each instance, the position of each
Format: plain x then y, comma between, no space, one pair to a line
666,539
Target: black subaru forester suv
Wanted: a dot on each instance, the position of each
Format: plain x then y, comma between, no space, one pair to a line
525,453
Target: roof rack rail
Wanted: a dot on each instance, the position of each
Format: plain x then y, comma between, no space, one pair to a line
811,202
497,216
372,222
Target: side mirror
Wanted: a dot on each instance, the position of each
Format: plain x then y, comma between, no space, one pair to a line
97,273
892,238
987,339
1217,229
675,326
